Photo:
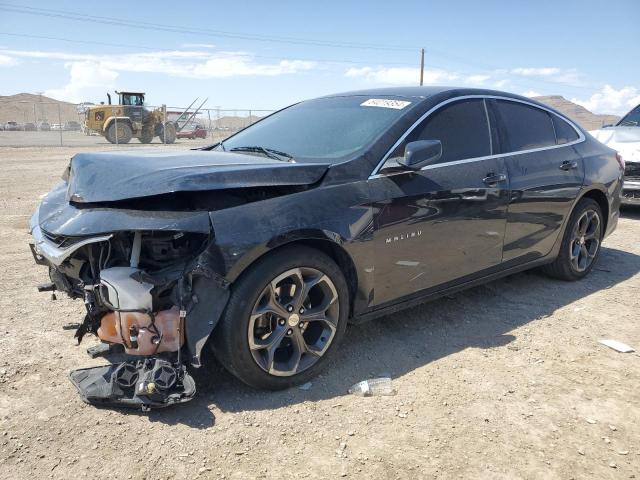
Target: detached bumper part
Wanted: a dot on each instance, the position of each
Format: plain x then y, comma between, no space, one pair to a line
159,320
145,384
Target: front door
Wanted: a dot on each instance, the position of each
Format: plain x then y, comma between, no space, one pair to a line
444,222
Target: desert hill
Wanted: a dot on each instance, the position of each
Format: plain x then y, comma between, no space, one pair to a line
27,107
577,113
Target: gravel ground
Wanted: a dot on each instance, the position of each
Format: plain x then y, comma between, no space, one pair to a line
505,380
80,140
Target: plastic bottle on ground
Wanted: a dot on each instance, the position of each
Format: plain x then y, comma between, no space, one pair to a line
373,387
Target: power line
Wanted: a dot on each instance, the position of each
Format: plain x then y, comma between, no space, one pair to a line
243,36
520,83
157,48
65,14
47,12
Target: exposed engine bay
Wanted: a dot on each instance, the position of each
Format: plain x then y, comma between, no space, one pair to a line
140,307
133,238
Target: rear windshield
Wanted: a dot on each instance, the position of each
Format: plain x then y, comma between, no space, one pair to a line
325,129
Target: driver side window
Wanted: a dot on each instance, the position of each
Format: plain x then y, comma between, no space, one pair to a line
462,127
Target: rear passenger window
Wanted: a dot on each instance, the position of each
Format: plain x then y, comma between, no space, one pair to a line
524,127
461,127
565,133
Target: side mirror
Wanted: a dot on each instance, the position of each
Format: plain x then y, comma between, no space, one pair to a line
421,153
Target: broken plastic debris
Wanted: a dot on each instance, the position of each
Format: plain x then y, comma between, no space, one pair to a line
373,387
617,346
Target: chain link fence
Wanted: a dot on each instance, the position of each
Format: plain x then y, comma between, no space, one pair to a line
44,124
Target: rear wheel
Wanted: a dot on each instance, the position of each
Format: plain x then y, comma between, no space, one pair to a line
121,134
581,242
284,319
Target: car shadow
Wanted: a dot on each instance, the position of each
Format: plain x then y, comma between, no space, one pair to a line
482,317
630,211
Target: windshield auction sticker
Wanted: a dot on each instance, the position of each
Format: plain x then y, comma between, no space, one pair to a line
385,103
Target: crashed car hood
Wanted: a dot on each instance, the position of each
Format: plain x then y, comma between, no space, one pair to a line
626,140
108,177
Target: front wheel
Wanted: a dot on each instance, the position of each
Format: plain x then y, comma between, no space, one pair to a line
284,319
119,132
580,244
146,135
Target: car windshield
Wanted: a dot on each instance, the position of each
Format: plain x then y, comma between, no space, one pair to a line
323,129
631,119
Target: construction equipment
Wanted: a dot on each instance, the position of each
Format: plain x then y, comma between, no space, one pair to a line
187,116
129,118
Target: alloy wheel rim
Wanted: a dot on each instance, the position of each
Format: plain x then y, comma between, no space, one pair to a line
585,241
293,322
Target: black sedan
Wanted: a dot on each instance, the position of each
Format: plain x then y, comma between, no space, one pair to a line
334,210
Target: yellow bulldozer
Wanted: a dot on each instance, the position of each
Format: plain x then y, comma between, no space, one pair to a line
128,119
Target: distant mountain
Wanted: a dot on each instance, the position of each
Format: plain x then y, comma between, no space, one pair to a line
27,107
577,113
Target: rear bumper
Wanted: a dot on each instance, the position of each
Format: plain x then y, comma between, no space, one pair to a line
631,192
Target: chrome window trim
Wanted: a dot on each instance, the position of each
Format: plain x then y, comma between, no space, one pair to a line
486,114
581,136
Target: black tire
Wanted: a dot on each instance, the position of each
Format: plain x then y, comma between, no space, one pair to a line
230,340
146,136
124,132
167,133
566,266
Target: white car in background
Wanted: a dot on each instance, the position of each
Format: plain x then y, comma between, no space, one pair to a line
624,137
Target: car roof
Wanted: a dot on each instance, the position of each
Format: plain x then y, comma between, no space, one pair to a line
409,92
426,92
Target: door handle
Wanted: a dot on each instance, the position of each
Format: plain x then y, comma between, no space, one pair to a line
492,178
568,165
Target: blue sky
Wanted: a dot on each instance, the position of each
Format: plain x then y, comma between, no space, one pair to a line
264,55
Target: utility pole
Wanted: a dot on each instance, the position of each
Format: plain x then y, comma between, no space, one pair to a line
39,107
421,66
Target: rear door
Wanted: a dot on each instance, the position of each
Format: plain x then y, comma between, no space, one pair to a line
444,222
545,173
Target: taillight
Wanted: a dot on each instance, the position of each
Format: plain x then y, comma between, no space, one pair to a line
620,161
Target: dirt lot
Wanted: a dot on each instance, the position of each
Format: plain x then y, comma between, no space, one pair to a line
502,381
80,140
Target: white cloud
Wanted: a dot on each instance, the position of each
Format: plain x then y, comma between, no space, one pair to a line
90,73
610,100
565,76
477,79
88,79
7,61
531,93
400,75
197,45
498,78
231,66
535,72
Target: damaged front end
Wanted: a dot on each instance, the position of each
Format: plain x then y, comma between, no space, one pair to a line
131,234
153,295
